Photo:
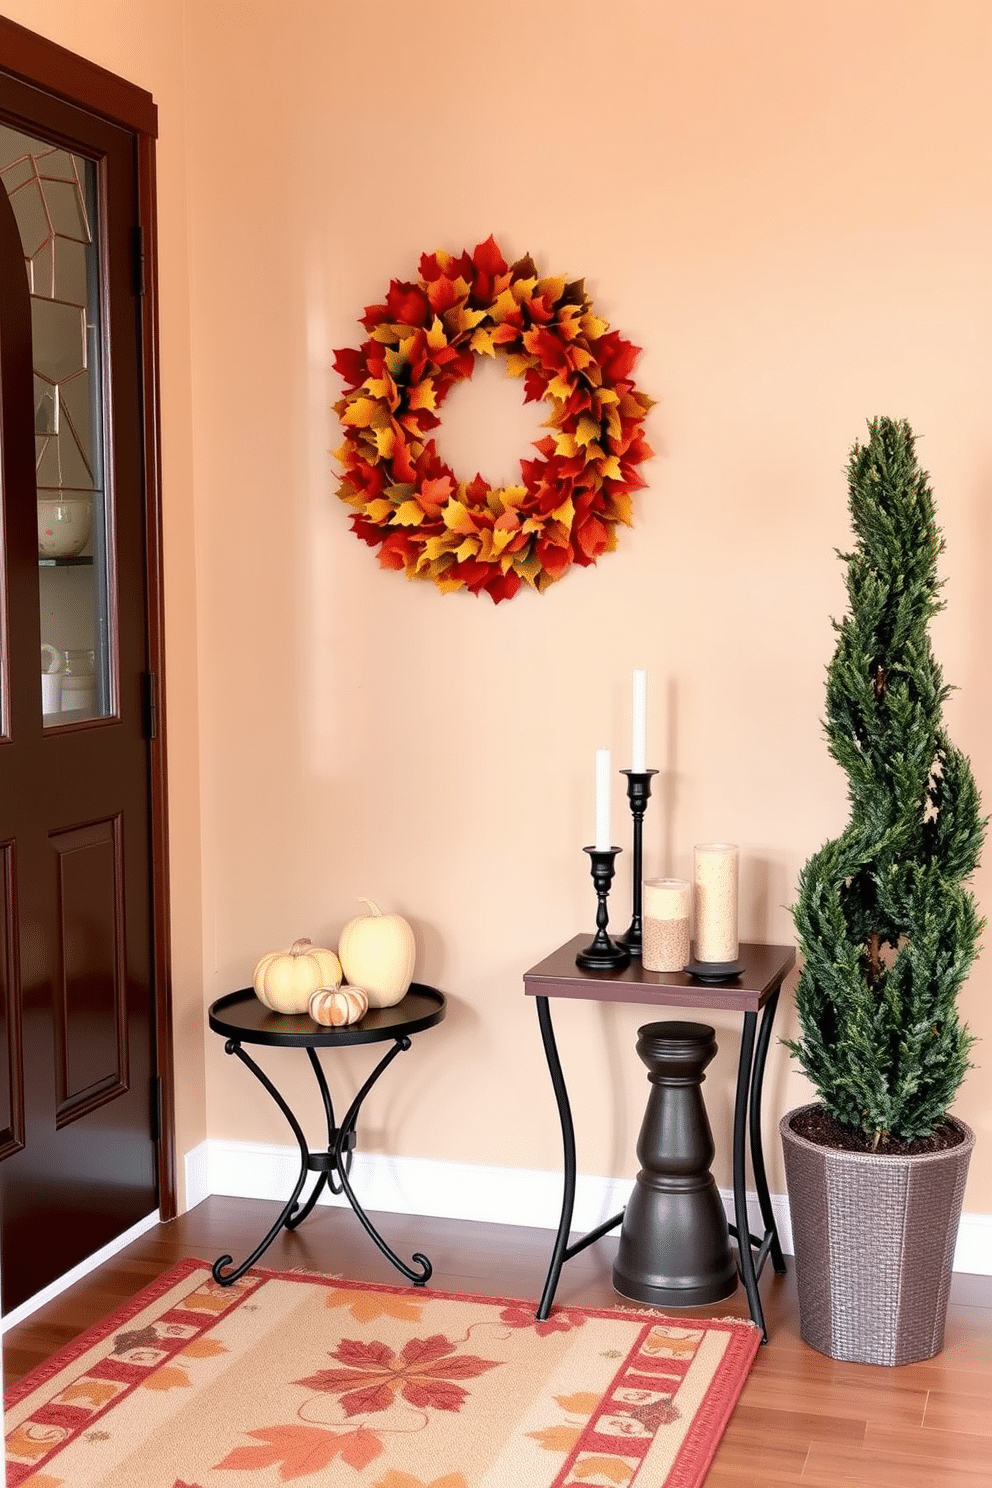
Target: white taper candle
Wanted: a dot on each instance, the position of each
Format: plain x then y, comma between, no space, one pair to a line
638,728
603,831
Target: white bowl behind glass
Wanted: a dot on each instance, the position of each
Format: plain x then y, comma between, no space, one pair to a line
64,525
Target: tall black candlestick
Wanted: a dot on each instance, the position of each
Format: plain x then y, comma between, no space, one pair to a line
638,792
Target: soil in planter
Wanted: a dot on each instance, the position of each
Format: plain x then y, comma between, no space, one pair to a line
816,1125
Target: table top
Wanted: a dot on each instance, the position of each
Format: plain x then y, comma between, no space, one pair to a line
240,1016
765,968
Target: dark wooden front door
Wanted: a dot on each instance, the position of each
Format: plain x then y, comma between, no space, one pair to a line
78,1087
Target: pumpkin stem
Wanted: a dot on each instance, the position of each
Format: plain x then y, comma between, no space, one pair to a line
300,947
373,907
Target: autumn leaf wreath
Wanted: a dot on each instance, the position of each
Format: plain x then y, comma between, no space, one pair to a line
422,341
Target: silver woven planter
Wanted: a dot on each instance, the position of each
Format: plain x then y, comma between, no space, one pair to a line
874,1239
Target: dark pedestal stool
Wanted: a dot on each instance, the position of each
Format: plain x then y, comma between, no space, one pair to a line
674,1246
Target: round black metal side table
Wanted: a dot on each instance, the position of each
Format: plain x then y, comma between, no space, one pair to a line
241,1019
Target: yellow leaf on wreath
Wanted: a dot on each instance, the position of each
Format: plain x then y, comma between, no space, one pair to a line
385,442
593,326
587,431
423,395
468,549
620,508
360,413
436,547
384,333
169,1377
482,342
436,335
383,388
410,514
379,510
565,513
559,388
565,446
517,363
504,305
557,1438
458,518
445,584
551,288
396,363
461,318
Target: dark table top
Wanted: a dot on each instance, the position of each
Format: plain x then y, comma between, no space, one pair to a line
241,1016
765,968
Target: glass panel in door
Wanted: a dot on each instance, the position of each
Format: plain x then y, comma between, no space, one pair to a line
54,196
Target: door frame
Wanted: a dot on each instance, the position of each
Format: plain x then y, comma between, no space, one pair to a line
41,63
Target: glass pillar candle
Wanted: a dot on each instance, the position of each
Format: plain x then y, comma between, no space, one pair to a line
716,871
667,911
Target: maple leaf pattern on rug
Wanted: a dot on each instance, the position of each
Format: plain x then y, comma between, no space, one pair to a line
293,1378
423,1373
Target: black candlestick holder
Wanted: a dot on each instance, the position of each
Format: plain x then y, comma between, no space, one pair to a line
638,793
602,954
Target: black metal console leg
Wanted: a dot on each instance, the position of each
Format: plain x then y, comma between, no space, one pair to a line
221,1274
344,1132
568,1144
757,1151
742,1229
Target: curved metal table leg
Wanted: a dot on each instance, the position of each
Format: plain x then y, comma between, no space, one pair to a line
568,1143
345,1131
757,1151
742,1229
338,1155
297,1217
221,1275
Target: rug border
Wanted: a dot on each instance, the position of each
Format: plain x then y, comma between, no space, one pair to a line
746,1333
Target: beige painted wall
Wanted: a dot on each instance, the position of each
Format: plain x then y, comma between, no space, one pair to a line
788,207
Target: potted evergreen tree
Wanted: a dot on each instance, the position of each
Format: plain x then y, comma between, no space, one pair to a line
876,1167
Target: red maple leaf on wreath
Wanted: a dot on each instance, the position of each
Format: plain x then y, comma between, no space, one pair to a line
423,1373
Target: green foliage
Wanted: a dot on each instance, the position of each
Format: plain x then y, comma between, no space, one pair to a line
887,929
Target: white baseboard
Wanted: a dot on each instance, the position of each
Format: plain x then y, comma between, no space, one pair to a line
446,1190
47,1294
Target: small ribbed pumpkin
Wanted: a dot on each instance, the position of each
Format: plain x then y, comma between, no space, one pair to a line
377,952
337,1006
284,980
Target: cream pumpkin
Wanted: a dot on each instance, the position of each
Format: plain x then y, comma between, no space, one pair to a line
284,980
337,1006
377,952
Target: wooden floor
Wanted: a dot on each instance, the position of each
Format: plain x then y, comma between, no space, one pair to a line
802,1419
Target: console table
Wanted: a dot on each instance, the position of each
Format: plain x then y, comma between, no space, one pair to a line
240,1018
755,990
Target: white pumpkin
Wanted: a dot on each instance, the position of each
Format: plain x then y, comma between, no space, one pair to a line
284,980
377,952
336,1006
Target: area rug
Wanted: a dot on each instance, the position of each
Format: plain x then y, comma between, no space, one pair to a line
286,1377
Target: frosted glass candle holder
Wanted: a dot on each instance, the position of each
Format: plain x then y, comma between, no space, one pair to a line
716,874
667,911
